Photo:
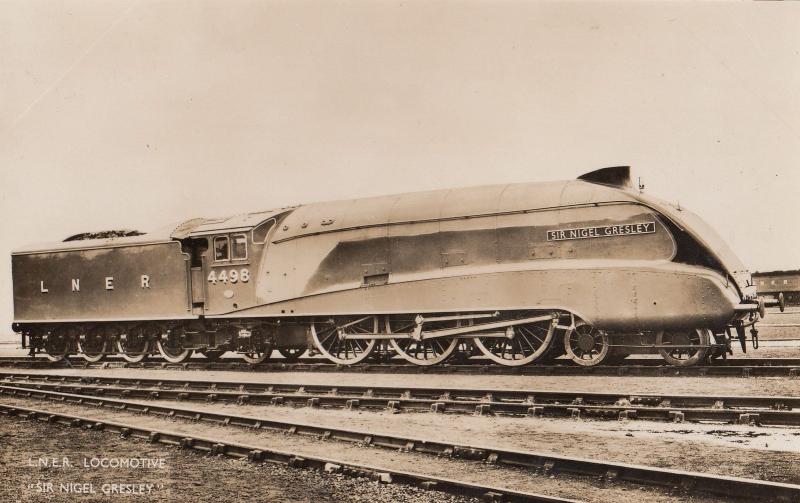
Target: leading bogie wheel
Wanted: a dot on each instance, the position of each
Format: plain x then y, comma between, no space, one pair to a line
527,343
425,352
693,346
587,346
329,340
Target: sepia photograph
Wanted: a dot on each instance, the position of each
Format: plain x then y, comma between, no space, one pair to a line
399,251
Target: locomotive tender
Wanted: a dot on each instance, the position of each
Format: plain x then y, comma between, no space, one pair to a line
589,268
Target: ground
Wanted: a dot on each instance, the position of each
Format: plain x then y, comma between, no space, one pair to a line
185,477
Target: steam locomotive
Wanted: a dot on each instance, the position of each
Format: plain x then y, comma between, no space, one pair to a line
591,268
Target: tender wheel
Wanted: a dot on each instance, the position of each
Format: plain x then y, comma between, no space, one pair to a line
93,347
527,344
134,346
426,352
211,355
291,354
587,346
57,347
345,351
697,341
172,350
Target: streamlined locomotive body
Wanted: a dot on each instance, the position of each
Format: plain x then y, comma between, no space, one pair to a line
520,273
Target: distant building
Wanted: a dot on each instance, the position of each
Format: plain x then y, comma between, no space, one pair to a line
771,283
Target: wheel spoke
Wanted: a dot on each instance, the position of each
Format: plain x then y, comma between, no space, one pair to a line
587,346
424,352
529,343
532,334
345,351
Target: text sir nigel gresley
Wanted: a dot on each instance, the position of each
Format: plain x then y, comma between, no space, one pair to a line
89,488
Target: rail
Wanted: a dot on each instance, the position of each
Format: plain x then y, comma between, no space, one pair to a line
734,368
760,410
729,487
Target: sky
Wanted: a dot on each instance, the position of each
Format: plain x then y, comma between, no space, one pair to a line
138,114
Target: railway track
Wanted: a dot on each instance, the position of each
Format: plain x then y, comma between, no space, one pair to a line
758,410
476,360
761,367
539,463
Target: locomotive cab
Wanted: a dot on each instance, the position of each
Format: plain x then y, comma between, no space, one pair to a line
225,260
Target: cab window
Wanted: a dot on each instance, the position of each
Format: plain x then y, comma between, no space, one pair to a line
239,248
221,248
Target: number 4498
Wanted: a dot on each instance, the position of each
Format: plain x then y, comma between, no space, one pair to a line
231,276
